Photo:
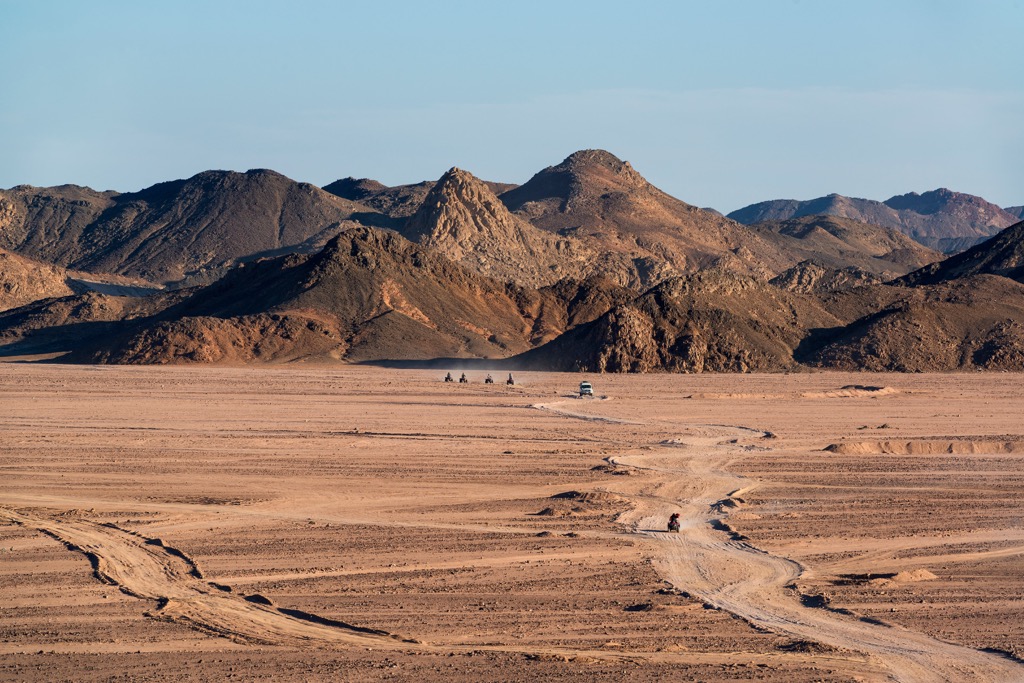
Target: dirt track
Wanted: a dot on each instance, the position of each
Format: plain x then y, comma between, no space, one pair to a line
290,522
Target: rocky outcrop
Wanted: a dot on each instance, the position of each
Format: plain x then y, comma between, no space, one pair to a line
1002,255
464,220
713,321
23,281
808,277
974,323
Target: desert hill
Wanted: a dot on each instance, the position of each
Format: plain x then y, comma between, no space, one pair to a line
714,321
1017,211
464,220
42,222
174,230
368,295
23,281
941,219
61,324
975,322
1001,255
841,243
643,234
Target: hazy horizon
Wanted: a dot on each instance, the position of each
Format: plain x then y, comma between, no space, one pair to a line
721,105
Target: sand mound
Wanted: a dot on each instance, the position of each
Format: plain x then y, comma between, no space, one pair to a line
853,391
589,496
928,447
914,575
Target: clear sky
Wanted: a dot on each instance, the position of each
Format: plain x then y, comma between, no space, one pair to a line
720,103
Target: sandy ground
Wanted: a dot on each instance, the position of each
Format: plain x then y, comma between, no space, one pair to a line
301,523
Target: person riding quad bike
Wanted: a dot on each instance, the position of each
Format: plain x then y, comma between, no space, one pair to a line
510,381
463,380
488,380
448,378
673,523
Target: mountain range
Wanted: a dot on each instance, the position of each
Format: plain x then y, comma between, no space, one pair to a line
941,219
586,266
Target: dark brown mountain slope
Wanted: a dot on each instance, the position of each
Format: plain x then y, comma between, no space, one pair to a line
368,295
76,322
179,229
713,321
1001,255
840,243
941,219
970,323
43,223
643,234
464,220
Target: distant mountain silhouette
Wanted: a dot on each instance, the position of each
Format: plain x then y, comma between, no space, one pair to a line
1017,211
941,219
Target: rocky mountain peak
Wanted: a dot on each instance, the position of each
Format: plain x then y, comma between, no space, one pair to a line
462,218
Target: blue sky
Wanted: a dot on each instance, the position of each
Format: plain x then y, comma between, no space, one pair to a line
720,103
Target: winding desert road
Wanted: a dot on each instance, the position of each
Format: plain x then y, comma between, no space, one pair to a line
148,569
711,562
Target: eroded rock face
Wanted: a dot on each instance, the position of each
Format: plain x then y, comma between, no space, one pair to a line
808,277
642,234
23,281
464,220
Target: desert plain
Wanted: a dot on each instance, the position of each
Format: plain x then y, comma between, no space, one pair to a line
362,523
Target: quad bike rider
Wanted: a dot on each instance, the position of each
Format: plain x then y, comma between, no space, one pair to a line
488,380
510,381
463,380
673,523
448,378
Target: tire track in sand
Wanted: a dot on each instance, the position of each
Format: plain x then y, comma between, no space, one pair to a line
148,569
713,563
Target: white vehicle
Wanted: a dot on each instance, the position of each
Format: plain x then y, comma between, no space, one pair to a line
586,389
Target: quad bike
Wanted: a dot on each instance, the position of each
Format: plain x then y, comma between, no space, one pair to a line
673,525
488,380
448,378
463,380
